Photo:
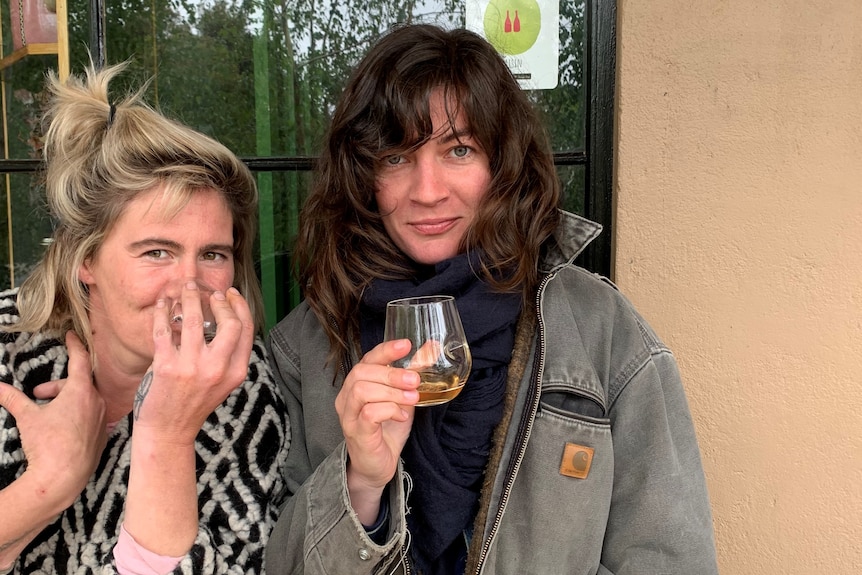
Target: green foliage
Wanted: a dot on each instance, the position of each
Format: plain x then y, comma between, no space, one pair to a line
199,60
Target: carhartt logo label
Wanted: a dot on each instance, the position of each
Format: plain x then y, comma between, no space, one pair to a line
576,461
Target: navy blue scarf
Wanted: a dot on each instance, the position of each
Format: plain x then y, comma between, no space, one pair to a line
449,444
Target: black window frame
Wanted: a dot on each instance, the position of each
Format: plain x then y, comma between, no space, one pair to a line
596,157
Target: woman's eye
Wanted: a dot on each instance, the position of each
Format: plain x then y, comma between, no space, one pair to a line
156,254
461,151
214,256
393,160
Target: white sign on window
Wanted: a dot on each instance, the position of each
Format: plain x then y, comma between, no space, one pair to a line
526,33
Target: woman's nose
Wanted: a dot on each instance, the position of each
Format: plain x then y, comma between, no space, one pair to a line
188,268
429,186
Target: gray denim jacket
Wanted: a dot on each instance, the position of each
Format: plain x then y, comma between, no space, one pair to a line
600,471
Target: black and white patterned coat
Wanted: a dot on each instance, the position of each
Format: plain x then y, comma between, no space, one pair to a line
241,451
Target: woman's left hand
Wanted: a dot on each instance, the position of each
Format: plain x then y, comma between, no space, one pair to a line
184,385
187,382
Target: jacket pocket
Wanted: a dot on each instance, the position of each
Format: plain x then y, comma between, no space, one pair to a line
555,517
570,401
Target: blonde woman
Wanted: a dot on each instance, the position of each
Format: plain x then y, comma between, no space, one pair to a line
129,443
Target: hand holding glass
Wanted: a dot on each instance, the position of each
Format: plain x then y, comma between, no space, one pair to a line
173,298
439,352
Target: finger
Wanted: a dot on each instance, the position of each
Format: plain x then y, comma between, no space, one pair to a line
193,317
384,375
231,307
235,326
240,306
387,352
375,414
367,385
427,355
49,389
163,335
14,400
367,393
79,359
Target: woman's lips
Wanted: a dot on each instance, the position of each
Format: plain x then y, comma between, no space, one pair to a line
434,227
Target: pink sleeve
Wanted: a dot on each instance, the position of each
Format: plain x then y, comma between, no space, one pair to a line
132,559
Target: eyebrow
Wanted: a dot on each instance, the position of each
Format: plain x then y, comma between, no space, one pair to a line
164,243
458,135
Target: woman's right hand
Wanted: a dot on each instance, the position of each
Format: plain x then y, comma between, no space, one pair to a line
62,439
62,442
375,407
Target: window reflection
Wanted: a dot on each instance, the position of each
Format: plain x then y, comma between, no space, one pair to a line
261,77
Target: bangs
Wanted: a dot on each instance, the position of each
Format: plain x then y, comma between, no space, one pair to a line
408,124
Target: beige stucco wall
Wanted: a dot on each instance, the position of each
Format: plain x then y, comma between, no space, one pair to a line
739,237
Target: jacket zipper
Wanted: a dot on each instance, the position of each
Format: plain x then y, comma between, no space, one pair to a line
405,549
405,552
524,427
403,559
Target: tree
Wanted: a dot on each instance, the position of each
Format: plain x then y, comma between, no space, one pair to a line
200,60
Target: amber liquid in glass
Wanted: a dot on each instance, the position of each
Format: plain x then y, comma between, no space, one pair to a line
437,388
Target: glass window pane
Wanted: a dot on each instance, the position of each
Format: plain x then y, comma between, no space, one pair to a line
263,78
564,107
24,216
219,66
573,184
25,227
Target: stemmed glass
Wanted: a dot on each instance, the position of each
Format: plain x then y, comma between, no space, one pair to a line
439,347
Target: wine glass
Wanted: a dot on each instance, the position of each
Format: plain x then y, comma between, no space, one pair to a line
173,297
439,352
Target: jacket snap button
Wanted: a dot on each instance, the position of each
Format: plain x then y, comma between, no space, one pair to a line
364,554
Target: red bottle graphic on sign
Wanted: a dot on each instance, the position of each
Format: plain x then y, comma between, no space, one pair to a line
507,25
516,26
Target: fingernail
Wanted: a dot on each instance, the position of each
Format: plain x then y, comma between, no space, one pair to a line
412,378
233,290
411,395
191,285
218,295
160,303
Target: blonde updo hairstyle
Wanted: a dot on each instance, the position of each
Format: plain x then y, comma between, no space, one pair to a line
98,158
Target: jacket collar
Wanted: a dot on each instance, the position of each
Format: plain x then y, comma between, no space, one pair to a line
570,238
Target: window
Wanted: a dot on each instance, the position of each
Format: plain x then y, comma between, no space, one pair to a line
262,77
